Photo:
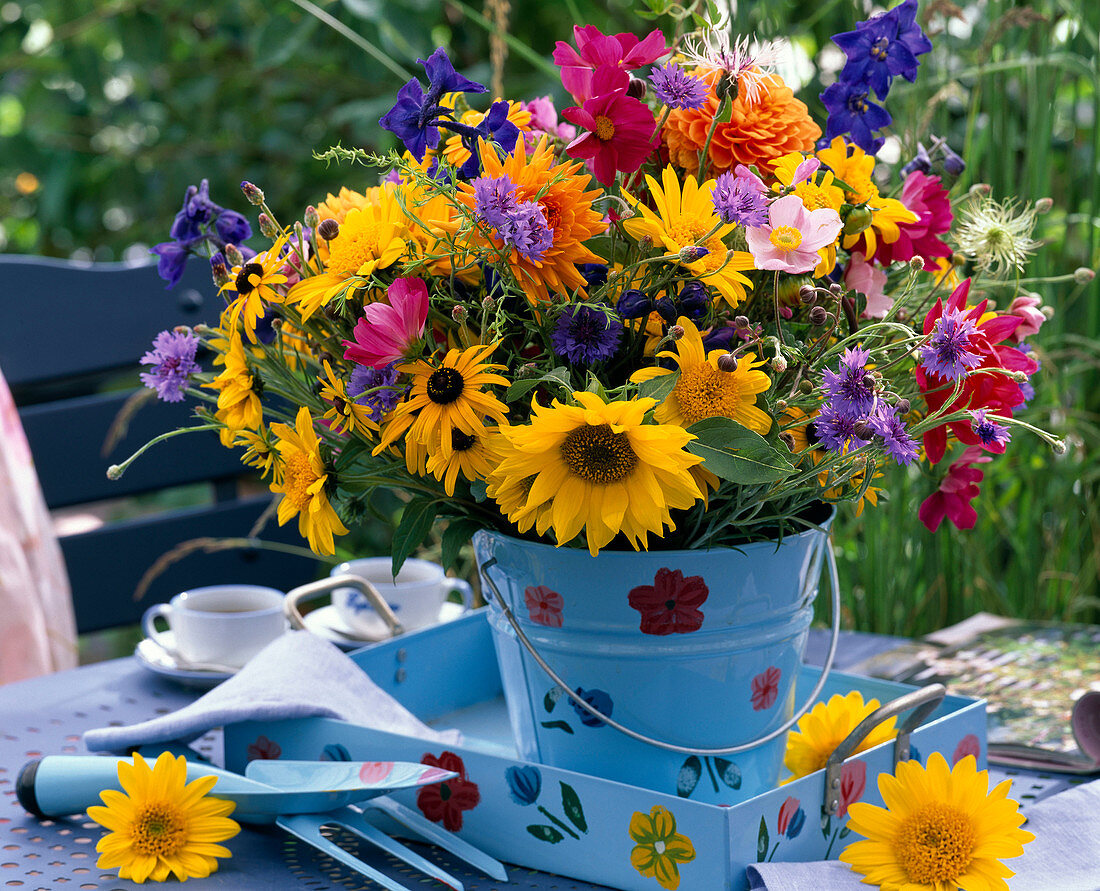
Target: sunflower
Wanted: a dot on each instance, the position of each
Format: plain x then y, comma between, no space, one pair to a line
471,455
561,193
239,406
303,484
446,398
825,726
682,219
942,828
345,414
703,390
510,492
604,469
255,283
160,824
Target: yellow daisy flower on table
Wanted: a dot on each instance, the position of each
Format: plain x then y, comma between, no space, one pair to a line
160,824
825,726
942,829
658,847
682,217
703,390
254,282
239,406
303,484
604,470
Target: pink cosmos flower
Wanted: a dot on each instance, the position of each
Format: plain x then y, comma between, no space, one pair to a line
927,198
387,330
620,131
765,688
1026,306
789,242
544,606
595,50
870,281
952,499
544,120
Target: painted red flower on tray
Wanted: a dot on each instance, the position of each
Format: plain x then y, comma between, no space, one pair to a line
853,780
671,604
544,605
765,688
444,802
968,745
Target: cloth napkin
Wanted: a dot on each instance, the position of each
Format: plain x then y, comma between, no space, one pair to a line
298,675
1064,856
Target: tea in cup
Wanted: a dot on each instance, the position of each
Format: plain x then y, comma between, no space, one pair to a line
218,624
416,596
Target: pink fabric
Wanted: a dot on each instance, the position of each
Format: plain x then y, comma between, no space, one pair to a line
37,629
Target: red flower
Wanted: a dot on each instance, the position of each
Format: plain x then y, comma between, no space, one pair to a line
853,780
995,392
958,489
264,749
968,745
927,198
447,800
621,130
671,604
619,52
544,605
765,688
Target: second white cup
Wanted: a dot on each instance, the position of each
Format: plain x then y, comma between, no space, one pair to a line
416,596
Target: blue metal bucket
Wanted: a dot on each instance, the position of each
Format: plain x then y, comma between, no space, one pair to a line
697,649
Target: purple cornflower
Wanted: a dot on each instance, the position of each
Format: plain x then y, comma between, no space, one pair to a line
173,361
521,224
851,111
836,431
676,88
989,432
851,388
585,335
737,199
884,47
494,199
948,352
376,388
887,423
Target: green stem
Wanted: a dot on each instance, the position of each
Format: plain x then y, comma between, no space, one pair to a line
115,471
549,816
360,41
518,46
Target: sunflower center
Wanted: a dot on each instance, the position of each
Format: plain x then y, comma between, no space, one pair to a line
249,276
935,844
599,455
786,238
298,476
462,442
605,128
445,385
705,392
158,831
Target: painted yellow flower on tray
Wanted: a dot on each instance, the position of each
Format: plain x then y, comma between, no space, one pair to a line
658,847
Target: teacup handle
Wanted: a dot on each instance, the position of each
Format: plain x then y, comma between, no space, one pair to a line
323,586
149,620
463,588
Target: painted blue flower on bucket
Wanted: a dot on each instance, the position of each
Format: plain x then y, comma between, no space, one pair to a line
599,700
525,786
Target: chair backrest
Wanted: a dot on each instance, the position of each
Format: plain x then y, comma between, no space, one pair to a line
71,335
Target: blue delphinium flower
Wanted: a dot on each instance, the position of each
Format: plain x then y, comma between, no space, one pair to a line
851,388
988,431
947,352
633,304
173,361
693,300
199,222
852,111
599,700
585,335
738,199
376,388
494,127
524,784
884,47
676,88
887,423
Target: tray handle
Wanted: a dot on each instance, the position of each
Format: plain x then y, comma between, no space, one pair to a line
313,590
923,702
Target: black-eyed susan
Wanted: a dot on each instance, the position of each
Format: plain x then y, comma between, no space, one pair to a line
160,824
682,218
471,455
604,469
942,829
703,390
345,414
256,285
239,406
446,397
825,726
303,484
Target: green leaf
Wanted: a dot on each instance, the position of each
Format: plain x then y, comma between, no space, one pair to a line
545,833
737,454
558,725
551,698
659,387
457,534
688,777
416,523
762,842
728,772
826,826
559,376
845,832
571,804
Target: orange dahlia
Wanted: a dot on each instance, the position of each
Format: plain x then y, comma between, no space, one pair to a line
759,133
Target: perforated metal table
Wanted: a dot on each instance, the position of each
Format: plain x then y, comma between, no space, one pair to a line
48,715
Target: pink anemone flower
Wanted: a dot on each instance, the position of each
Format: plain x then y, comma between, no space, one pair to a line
791,238
596,50
871,282
387,330
620,131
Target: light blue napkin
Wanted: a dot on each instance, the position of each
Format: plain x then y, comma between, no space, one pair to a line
298,675
1065,855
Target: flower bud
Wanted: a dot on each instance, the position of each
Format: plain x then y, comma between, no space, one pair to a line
460,314
645,243
727,362
233,255
328,229
858,219
981,189
819,315
252,193
787,438
807,294
1019,377
1058,445
903,406
786,312
916,262
693,300
1044,205
791,287
220,273
726,88
740,321
633,304
114,472
1083,275
666,309
863,430
676,332
528,369
489,302
781,405
693,253
310,218
779,364
268,229
636,88
806,387
953,164
836,289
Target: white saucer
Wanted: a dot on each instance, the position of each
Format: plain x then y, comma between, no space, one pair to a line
326,622
156,659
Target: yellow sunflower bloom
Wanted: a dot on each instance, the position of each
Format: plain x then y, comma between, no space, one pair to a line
510,492
658,847
942,829
345,414
471,455
604,470
160,824
303,484
239,406
703,390
255,283
825,726
682,218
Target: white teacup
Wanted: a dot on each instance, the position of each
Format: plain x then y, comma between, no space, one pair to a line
416,596
220,624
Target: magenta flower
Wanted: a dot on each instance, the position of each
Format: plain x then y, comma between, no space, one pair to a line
387,330
1026,306
595,50
927,198
544,606
544,121
765,688
621,131
790,240
671,604
952,499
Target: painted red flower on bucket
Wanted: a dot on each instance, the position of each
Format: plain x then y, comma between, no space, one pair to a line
544,605
671,604
444,802
968,745
765,688
264,749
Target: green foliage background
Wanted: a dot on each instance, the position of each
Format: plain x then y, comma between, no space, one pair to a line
109,110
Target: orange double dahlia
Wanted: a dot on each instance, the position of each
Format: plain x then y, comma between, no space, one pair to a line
757,133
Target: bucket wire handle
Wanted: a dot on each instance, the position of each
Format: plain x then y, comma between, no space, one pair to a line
923,702
313,590
661,744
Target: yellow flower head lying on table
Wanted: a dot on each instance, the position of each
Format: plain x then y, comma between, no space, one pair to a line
162,824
